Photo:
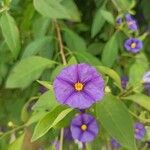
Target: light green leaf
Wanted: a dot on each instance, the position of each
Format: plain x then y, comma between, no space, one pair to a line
110,51
52,9
116,120
140,99
46,84
72,61
27,70
46,101
72,9
17,144
49,121
74,41
108,16
98,22
36,46
10,33
112,74
137,69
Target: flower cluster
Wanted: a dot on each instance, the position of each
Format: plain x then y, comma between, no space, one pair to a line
132,45
79,86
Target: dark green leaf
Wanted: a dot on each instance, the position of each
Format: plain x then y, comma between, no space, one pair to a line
115,118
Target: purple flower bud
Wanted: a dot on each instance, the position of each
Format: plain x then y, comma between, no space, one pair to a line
84,128
42,89
146,82
139,130
67,134
124,81
131,22
119,21
79,86
133,45
115,144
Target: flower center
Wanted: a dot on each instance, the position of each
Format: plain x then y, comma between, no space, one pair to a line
130,23
133,45
78,86
84,127
136,130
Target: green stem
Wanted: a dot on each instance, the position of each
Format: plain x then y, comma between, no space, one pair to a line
61,138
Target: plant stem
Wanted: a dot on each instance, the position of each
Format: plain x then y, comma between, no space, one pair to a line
61,138
60,42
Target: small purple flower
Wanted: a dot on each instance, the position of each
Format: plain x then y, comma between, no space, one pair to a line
124,81
139,130
146,82
115,144
84,128
79,86
131,22
56,145
133,45
67,134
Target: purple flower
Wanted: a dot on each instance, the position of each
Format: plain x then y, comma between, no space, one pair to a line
115,144
146,82
124,81
139,130
56,145
131,22
79,86
133,45
67,134
84,128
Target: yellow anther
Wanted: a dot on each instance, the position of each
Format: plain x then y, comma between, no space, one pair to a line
84,127
78,86
133,45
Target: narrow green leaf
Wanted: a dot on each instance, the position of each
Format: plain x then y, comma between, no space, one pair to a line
27,70
98,22
51,8
10,33
110,51
36,46
49,121
140,99
46,101
46,84
115,118
108,16
111,73
74,41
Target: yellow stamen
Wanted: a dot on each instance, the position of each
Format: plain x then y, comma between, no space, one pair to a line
78,86
130,23
133,45
84,127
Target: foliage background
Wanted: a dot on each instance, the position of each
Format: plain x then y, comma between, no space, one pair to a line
30,50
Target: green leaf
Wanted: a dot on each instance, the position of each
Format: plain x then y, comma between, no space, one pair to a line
17,144
46,84
112,74
52,9
137,69
116,120
49,121
72,61
46,101
72,9
88,58
98,22
74,41
140,99
110,51
36,46
10,33
108,16
27,70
